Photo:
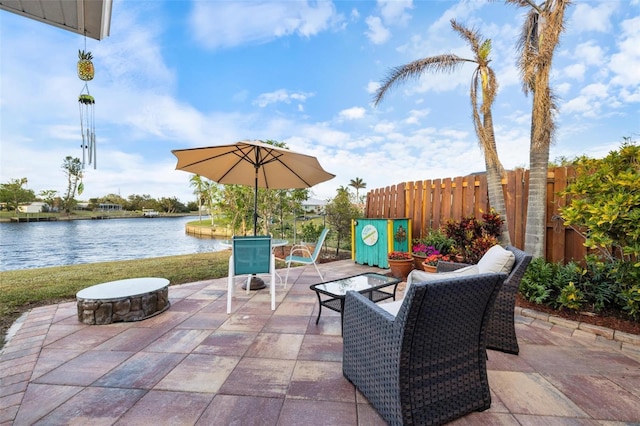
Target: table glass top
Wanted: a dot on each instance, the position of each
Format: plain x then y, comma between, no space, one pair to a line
358,283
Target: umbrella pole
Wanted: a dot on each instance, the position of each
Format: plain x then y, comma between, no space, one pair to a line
256,283
255,206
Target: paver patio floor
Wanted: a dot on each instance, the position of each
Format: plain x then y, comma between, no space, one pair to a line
194,364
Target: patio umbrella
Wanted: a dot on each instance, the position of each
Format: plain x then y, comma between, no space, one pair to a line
253,163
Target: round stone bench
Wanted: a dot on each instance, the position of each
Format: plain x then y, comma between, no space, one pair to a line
128,300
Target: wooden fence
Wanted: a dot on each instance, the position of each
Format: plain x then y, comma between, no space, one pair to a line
430,203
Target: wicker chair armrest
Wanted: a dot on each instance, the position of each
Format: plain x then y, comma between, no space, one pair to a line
449,266
359,309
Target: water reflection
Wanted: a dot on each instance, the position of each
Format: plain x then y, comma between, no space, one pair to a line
42,244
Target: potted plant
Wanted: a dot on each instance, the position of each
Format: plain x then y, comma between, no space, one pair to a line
401,263
431,262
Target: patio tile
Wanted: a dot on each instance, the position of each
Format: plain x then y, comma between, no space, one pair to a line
95,406
198,373
525,420
599,397
318,413
274,345
178,341
253,307
287,324
507,362
557,359
58,331
132,340
485,418
294,309
259,377
142,371
321,348
165,321
530,393
188,305
39,400
368,416
163,408
204,320
230,343
243,322
241,410
84,369
328,325
86,338
320,381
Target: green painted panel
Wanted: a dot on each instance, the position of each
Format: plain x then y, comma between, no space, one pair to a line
372,240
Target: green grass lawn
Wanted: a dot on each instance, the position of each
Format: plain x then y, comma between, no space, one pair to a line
25,289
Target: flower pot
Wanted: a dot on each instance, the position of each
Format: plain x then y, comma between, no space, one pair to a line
418,259
428,268
400,268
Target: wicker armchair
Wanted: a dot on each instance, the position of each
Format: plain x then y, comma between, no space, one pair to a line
427,364
501,334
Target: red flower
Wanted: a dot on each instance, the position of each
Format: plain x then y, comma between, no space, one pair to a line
400,255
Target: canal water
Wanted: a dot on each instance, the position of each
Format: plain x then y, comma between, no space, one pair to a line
43,244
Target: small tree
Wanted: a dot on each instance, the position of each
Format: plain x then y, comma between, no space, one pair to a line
605,202
48,196
340,212
73,169
13,193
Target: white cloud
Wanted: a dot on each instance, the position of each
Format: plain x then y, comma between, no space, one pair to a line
281,95
575,71
597,18
372,86
394,11
352,113
220,24
626,63
415,115
377,32
589,53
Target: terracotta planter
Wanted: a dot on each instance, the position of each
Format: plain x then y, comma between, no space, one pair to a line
429,268
400,268
417,260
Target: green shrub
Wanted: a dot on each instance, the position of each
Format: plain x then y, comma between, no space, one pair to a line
438,240
534,285
597,287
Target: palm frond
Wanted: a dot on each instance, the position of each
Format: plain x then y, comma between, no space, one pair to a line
436,64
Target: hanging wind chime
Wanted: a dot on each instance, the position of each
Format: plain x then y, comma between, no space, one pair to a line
86,102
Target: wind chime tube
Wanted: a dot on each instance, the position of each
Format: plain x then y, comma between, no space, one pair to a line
95,158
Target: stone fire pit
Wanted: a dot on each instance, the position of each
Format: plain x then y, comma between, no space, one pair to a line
128,300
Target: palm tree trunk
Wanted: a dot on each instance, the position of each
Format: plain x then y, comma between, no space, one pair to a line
536,226
494,178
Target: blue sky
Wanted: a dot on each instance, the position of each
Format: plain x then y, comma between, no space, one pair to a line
179,74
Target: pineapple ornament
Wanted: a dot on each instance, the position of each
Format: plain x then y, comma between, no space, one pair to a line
85,66
86,103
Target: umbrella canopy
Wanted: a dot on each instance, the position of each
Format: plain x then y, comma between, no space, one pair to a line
253,163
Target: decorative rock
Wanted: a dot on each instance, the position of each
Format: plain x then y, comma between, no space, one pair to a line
123,301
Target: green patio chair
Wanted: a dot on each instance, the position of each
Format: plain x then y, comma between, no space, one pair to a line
251,255
301,254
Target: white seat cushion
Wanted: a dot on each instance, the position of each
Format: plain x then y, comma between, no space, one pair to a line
392,307
496,260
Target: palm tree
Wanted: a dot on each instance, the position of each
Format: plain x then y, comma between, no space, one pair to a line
539,37
358,184
483,78
200,189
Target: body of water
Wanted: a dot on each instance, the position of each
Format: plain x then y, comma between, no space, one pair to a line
43,244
